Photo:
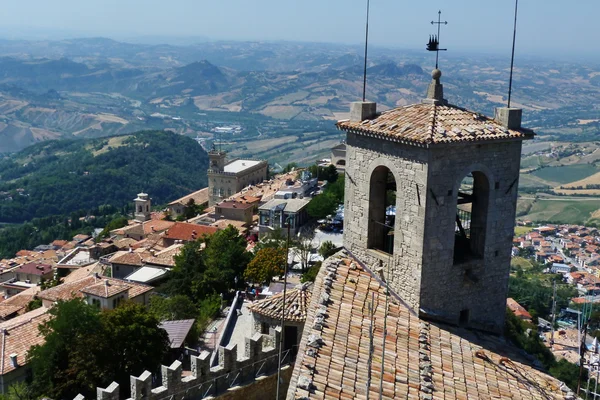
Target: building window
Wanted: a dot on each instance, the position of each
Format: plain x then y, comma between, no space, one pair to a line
265,219
382,210
264,328
214,191
471,217
96,303
139,208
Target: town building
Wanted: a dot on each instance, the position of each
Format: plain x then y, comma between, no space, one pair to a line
18,335
338,157
226,179
267,313
238,209
277,212
178,207
182,232
97,290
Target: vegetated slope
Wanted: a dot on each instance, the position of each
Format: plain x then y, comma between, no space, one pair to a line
58,177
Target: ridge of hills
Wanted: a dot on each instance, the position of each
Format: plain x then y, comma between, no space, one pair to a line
285,96
59,177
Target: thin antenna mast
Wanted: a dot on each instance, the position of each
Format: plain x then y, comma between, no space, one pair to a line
366,48
512,58
553,315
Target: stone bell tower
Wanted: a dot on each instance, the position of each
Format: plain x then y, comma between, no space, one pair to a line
143,206
431,191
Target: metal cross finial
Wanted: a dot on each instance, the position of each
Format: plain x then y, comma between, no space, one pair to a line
434,40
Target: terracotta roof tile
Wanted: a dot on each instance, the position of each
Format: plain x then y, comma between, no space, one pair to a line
70,290
422,359
296,300
426,124
105,289
200,197
188,232
18,335
34,268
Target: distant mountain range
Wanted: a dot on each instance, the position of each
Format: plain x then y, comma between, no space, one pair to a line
98,87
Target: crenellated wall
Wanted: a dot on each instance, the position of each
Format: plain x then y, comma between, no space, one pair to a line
237,368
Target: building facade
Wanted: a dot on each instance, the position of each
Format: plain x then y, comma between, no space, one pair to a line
226,179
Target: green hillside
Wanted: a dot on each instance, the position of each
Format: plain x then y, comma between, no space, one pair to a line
59,177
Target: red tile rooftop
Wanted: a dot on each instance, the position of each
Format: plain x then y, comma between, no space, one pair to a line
188,232
422,359
34,269
427,123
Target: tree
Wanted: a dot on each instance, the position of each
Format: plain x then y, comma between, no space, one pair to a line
192,209
173,308
290,167
266,264
327,249
321,206
85,348
327,202
66,364
199,273
276,238
311,274
226,257
304,246
136,341
187,275
112,225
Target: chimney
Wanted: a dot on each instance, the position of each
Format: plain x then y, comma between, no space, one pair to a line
96,275
510,118
361,110
13,360
106,283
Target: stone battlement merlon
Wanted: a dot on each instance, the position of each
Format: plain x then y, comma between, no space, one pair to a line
259,359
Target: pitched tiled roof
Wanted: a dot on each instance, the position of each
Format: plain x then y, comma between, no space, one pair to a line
177,330
427,123
70,290
129,257
517,309
296,300
188,232
105,289
18,302
34,268
18,335
422,359
200,197
165,257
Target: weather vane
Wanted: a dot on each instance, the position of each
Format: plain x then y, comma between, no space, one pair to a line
434,40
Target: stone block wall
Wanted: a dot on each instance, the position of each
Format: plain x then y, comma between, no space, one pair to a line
257,361
479,285
423,272
409,166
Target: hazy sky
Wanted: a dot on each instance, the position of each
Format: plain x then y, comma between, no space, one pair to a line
545,26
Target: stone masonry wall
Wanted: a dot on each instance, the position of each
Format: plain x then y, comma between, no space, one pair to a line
422,270
409,166
479,286
258,361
